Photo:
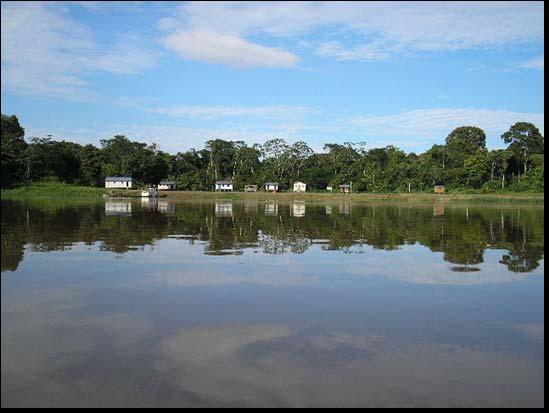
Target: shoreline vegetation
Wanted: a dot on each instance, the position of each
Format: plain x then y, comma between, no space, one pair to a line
462,164
68,191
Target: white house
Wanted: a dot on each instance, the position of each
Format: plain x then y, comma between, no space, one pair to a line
167,186
223,186
118,182
300,187
271,186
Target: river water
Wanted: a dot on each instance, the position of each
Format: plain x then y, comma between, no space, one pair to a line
152,303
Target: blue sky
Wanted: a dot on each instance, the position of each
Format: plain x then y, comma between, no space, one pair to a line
178,74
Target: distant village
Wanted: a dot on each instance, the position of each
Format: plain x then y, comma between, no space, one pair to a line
126,182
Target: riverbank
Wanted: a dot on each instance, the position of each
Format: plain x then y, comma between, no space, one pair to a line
360,197
52,190
57,190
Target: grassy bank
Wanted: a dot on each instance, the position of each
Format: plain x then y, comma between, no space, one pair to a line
52,190
59,190
362,197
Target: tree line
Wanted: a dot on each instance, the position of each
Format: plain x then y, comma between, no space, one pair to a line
462,162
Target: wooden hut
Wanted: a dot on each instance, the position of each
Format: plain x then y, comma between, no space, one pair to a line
345,188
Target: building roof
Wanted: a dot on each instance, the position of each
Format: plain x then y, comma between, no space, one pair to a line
300,183
345,186
223,183
167,183
118,178
271,183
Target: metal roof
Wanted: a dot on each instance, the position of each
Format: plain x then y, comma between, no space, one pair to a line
167,183
271,183
118,178
223,183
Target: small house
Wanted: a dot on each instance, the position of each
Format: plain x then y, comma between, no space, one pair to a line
224,186
124,182
271,186
345,188
167,186
439,189
250,188
300,187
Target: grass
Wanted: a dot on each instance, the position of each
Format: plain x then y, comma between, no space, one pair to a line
362,197
52,190
61,190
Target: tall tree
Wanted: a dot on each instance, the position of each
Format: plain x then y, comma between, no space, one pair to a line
524,140
13,148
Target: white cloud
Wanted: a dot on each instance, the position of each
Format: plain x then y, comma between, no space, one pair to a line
414,130
215,112
171,139
377,29
537,63
437,123
209,46
47,53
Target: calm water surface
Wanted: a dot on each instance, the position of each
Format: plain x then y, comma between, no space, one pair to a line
131,303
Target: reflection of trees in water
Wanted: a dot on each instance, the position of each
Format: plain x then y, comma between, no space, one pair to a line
461,234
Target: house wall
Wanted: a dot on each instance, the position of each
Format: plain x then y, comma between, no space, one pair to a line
223,187
166,187
118,184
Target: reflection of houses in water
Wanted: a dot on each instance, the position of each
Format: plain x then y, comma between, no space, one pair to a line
298,209
438,210
118,208
156,204
328,210
250,207
149,203
166,206
345,209
224,209
271,209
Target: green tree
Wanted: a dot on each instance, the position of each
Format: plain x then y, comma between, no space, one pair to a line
13,148
524,140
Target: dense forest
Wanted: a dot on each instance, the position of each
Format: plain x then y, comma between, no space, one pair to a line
462,162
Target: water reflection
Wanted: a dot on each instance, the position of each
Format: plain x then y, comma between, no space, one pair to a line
462,234
298,209
271,304
224,209
118,208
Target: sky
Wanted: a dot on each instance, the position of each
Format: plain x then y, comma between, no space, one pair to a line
181,73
